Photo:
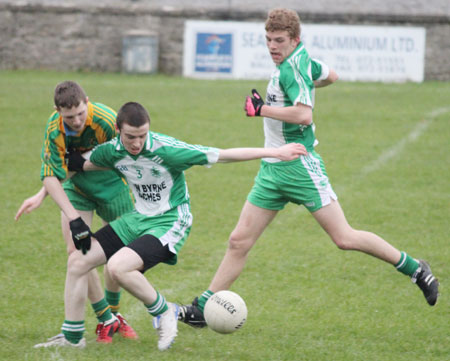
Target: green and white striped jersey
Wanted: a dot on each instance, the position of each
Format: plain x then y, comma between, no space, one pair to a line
292,82
156,175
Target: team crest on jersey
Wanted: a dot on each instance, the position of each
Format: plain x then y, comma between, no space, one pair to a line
155,172
47,156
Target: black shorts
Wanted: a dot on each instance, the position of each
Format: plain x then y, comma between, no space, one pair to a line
148,247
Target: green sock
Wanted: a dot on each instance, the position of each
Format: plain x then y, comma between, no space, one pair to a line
159,306
113,299
102,310
73,330
203,298
407,265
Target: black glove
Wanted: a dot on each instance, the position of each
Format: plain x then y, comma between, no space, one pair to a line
81,235
74,160
253,104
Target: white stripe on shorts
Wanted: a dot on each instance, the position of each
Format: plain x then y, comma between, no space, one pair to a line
320,180
178,230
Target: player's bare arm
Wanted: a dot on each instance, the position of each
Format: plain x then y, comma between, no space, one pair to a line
54,188
35,201
31,203
81,234
286,152
297,114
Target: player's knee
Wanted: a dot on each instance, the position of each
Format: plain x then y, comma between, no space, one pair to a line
115,270
345,241
76,264
343,245
237,242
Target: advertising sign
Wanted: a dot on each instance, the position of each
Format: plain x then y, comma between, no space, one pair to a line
237,50
369,53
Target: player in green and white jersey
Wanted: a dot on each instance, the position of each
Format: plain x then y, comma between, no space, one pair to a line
79,124
154,232
288,118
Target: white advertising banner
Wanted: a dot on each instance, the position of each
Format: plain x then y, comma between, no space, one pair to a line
237,50
369,53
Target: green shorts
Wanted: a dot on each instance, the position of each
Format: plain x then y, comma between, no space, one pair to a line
171,228
301,181
121,203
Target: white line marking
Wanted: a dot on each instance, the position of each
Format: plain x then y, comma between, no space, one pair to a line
390,153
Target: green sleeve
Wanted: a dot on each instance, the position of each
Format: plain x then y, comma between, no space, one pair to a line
186,157
182,155
102,155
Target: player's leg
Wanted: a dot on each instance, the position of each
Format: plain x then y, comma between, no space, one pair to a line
118,204
113,294
105,243
95,290
78,267
111,285
333,221
76,288
264,201
319,198
153,240
252,222
85,207
127,267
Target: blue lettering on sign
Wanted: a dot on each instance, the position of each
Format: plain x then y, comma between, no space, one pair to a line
253,40
350,43
214,53
405,45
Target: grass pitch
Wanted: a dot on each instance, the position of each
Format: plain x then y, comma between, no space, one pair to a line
386,149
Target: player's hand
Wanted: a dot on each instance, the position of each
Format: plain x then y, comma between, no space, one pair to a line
75,160
81,234
253,104
30,204
291,151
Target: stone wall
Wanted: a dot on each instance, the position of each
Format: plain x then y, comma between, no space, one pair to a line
88,35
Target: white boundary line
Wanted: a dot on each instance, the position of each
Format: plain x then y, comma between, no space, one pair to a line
390,153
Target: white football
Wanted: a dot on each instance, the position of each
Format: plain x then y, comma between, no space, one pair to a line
225,312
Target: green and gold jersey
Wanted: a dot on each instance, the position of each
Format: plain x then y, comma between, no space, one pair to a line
292,82
156,175
99,128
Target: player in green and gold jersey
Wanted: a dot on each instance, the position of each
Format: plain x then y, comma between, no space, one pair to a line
80,124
